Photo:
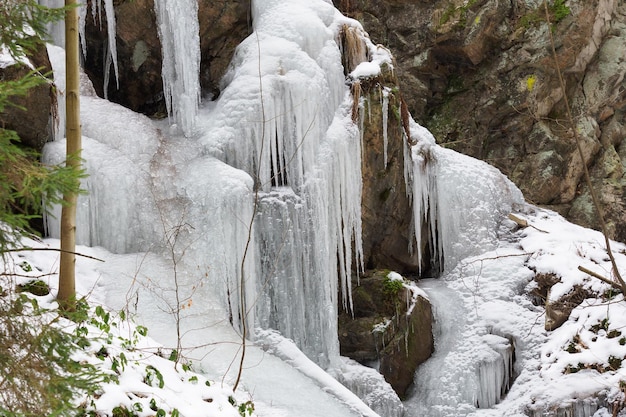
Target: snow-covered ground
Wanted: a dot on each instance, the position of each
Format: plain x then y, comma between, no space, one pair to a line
482,307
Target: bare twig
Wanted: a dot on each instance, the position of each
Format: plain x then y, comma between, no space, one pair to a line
600,277
242,293
29,249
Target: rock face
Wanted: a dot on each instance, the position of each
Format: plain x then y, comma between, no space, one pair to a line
480,74
386,208
223,25
32,124
387,328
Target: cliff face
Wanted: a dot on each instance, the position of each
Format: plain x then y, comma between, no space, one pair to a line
480,74
223,25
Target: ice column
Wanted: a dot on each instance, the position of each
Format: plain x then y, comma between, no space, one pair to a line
385,111
111,47
302,240
462,199
180,40
284,117
56,30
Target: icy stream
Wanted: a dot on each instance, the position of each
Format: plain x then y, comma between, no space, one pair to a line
449,314
472,368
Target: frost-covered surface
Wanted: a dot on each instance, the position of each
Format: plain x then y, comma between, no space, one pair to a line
461,198
369,385
282,124
482,308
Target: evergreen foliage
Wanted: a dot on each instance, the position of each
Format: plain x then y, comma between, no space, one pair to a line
39,375
24,181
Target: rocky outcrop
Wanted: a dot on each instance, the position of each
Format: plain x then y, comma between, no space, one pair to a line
30,115
390,324
481,76
223,25
386,208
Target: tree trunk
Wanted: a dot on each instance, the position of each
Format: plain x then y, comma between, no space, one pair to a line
67,281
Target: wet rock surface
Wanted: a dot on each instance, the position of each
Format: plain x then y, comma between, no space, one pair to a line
387,328
30,115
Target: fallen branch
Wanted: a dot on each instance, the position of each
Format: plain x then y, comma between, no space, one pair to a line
613,284
523,223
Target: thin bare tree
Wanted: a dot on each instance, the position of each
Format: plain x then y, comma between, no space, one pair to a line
67,270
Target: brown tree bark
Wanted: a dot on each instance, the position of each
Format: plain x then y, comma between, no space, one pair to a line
67,280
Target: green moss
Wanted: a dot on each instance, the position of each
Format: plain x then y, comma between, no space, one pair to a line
571,369
529,20
559,11
122,411
613,334
571,348
35,287
615,363
601,325
447,14
392,287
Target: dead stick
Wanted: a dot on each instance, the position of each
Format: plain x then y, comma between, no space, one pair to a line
26,249
523,223
600,277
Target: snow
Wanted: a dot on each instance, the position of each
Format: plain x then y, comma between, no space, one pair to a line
6,59
482,308
247,213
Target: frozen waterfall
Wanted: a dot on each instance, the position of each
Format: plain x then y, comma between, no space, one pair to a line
461,199
256,197
180,41
276,159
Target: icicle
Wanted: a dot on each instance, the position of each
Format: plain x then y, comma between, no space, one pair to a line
82,20
112,44
385,110
57,60
424,196
55,30
180,40
494,372
110,52
107,70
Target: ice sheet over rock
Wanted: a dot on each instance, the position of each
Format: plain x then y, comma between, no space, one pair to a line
284,118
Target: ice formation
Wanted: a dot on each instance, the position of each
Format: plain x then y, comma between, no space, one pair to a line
259,199
461,199
276,159
385,112
180,41
284,117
